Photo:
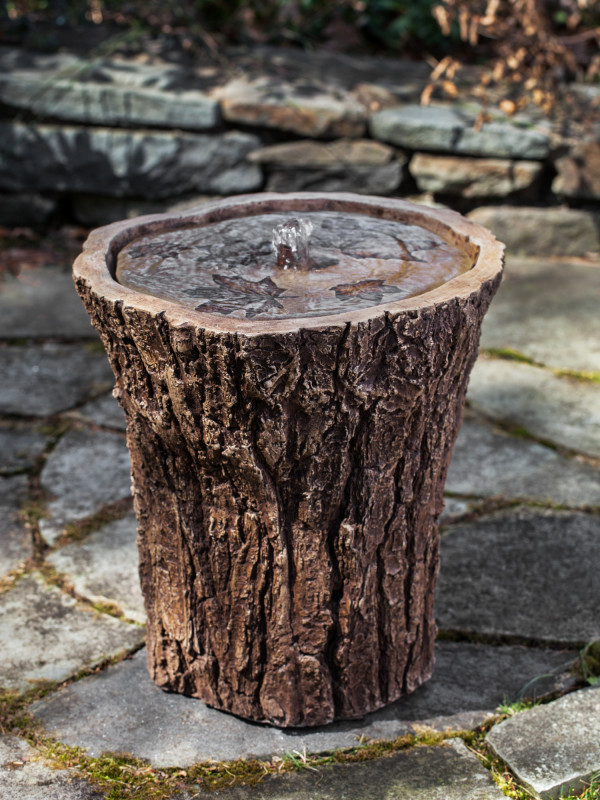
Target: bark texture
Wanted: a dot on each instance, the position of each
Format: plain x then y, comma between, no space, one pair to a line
288,487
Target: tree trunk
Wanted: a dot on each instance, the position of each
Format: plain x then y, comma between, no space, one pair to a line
287,485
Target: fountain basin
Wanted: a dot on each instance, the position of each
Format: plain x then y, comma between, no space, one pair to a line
288,471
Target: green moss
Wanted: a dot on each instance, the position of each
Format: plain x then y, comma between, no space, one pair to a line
76,531
33,510
221,775
510,709
14,716
95,346
55,429
578,375
54,578
588,665
590,792
11,579
501,775
508,354
122,777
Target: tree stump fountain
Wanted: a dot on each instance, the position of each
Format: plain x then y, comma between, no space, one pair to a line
290,427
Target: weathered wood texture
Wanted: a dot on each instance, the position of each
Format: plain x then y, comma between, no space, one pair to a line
288,487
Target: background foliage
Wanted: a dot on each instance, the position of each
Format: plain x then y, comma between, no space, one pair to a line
529,45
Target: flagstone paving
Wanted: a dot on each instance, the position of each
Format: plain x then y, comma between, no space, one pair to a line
46,636
554,748
15,540
525,572
22,777
557,409
121,710
448,772
491,463
42,303
43,379
104,411
517,595
549,312
86,471
104,567
19,448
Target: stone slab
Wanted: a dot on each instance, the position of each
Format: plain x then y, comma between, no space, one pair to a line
473,177
524,573
542,231
489,463
400,77
15,540
120,709
43,379
308,154
40,304
112,102
46,636
24,777
306,111
553,749
95,210
86,471
104,411
579,172
19,448
455,507
381,180
561,410
104,567
18,210
549,312
448,129
145,163
448,771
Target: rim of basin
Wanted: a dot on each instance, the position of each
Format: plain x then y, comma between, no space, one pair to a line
97,263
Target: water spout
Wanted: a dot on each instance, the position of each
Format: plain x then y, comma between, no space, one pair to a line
290,242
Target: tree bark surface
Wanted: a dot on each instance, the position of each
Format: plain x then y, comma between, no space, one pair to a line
287,486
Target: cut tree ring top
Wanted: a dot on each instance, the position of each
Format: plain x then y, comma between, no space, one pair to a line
261,267
204,267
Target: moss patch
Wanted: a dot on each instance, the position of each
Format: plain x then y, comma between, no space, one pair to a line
579,375
508,354
588,664
76,531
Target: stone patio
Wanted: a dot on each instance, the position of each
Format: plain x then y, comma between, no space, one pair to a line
518,594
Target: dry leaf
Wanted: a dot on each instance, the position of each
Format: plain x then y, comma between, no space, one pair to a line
442,18
426,94
442,66
352,289
450,89
463,23
481,118
264,288
474,31
508,106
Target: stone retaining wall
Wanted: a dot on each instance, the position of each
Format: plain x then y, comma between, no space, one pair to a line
97,140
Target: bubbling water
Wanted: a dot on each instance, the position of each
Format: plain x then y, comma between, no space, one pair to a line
290,242
259,266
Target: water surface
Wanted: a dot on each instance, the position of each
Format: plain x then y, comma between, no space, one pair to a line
230,267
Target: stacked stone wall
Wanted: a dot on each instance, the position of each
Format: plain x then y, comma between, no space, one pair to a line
97,140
